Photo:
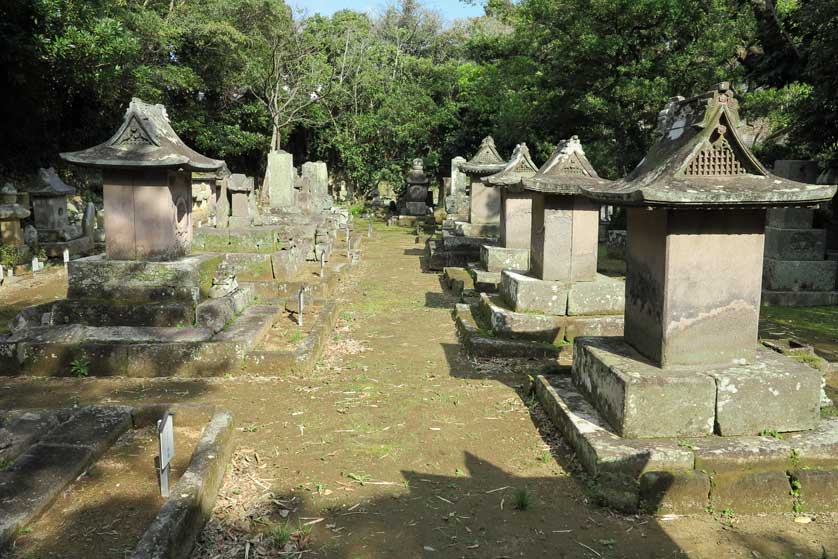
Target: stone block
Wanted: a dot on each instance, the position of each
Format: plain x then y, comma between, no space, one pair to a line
497,259
604,295
746,492
185,279
527,294
451,241
93,427
466,229
641,400
250,266
527,326
790,218
416,208
215,314
800,298
818,489
484,203
279,179
682,492
774,392
799,275
593,326
795,244
483,280
718,455
93,313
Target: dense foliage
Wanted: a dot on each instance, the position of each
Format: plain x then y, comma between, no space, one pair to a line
369,93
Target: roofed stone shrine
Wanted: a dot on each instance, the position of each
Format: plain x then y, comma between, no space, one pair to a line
689,364
484,201
146,171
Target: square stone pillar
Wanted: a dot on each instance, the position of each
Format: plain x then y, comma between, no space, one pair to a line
148,214
515,219
564,238
693,284
484,203
11,233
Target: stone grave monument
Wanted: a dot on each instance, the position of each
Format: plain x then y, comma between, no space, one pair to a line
240,188
461,240
513,249
49,211
147,307
669,416
11,214
563,296
457,199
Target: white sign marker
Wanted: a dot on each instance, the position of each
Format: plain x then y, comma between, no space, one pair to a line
166,438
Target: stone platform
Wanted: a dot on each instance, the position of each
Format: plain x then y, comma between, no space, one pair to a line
44,451
684,475
641,400
603,296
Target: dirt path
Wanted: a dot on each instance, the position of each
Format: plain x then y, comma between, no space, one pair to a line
398,447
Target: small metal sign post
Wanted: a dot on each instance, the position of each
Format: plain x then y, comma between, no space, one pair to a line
166,437
300,303
2,274
322,262
66,258
34,264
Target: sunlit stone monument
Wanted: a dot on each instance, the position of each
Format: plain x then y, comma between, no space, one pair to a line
484,200
513,249
415,195
146,171
11,214
689,363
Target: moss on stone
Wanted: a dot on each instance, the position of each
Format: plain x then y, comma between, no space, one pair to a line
206,272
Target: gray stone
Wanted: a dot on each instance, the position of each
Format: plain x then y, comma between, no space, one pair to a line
509,324
416,208
818,490
795,244
279,179
686,492
790,218
639,399
604,295
524,294
799,275
775,392
497,259
593,326
485,230
748,492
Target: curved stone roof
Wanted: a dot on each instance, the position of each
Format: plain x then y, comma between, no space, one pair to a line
518,167
50,184
701,161
487,161
567,171
145,140
13,211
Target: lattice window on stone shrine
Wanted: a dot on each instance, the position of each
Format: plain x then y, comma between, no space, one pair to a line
715,160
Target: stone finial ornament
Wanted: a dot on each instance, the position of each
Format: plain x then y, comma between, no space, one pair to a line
518,167
567,171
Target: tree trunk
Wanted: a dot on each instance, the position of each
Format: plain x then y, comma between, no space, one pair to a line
275,139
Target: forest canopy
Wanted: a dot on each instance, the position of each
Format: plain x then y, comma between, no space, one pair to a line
368,93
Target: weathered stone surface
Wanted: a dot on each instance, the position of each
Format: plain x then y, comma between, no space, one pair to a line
593,326
717,455
604,295
140,282
773,392
478,343
790,218
800,298
457,279
484,203
466,229
451,241
21,429
682,492
483,280
250,266
416,208
818,489
279,179
497,259
93,427
639,399
751,492
516,215
216,314
800,275
92,313
509,324
795,244
524,293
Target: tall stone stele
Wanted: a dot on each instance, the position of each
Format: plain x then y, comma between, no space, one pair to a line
689,363
513,249
484,200
147,176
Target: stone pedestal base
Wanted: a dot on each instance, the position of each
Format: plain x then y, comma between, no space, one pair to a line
603,296
749,474
641,400
497,259
416,208
466,229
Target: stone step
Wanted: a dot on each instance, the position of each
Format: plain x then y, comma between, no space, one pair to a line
799,275
250,327
800,298
484,281
478,341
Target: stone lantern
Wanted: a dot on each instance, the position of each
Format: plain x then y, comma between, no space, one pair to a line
689,363
147,176
513,250
11,213
49,206
484,200
416,191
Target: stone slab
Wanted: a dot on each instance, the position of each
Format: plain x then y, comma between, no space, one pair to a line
106,313
637,398
250,327
800,275
478,342
484,281
20,430
451,241
604,295
775,392
681,492
496,258
513,325
528,294
747,492
216,314
790,218
457,279
593,326
184,279
795,244
93,427
818,490
466,229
